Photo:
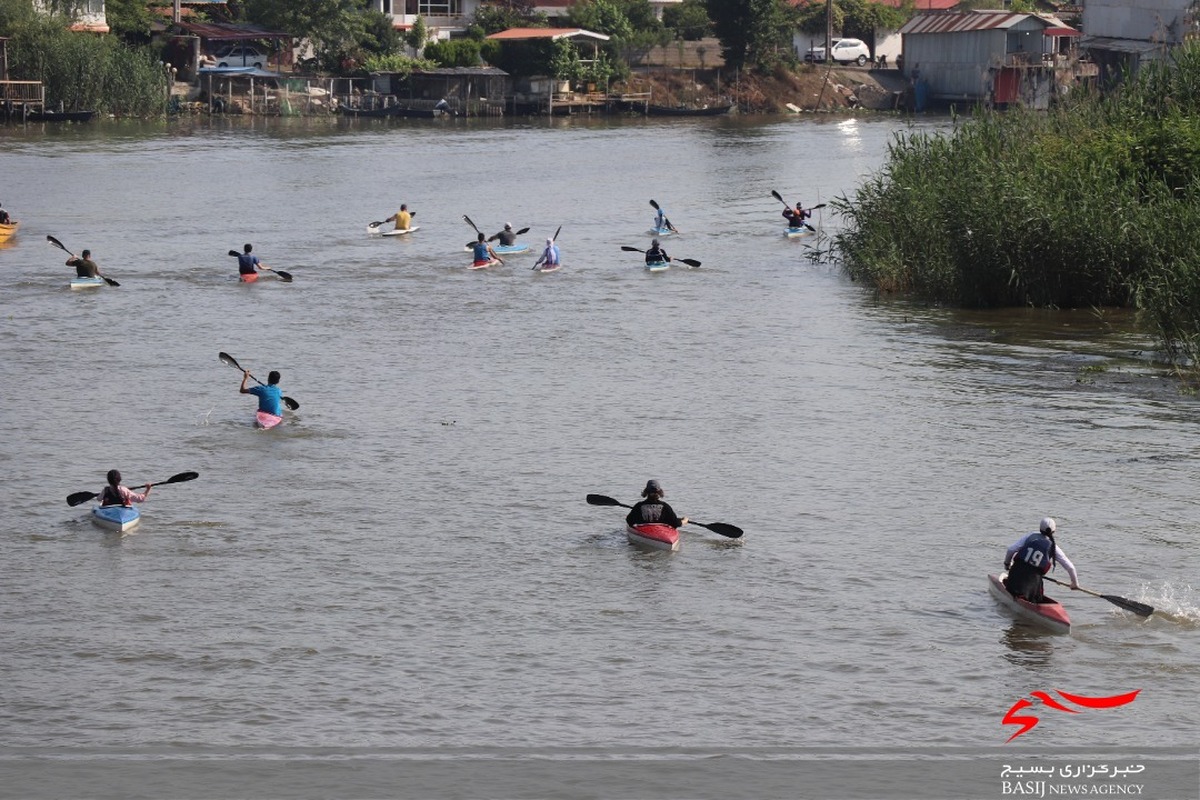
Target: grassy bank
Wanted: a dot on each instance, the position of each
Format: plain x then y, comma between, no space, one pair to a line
1091,204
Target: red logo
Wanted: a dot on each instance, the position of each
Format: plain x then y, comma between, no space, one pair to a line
1028,721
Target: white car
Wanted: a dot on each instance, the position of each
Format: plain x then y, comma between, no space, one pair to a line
845,51
241,55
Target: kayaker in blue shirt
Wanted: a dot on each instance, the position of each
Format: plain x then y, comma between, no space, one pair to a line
549,256
483,252
661,222
656,254
1034,555
653,510
248,263
269,396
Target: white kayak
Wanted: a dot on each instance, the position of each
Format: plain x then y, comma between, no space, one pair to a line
86,283
657,266
661,232
116,518
548,268
1049,614
798,233
405,232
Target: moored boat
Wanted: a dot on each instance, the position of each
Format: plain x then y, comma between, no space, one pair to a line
116,518
262,419
8,230
86,283
653,535
689,111
1049,614
657,266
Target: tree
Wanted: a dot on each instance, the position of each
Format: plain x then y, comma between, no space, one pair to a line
417,35
339,30
601,16
689,19
564,61
752,32
500,16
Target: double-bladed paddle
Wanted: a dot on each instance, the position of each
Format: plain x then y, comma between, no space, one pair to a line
496,236
286,277
553,238
1141,609
732,531
384,221
691,262
231,361
63,247
82,497
778,197
666,219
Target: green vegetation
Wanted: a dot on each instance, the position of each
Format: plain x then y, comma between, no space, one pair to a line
1091,204
753,33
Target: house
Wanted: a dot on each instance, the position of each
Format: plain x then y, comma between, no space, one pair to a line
1120,35
446,18
89,15
884,42
988,57
558,9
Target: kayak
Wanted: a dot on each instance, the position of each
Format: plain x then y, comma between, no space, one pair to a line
404,232
798,233
483,264
248,277
660,231
7,230
506,249
116,518
549,268
264,420
86,283
653,535
657,266
1048,614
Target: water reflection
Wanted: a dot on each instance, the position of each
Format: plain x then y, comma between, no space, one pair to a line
1028,647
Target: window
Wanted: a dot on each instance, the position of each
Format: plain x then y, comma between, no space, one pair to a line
440,8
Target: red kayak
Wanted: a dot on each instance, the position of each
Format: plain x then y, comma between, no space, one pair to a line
248,277
1048,614
654,535
264,420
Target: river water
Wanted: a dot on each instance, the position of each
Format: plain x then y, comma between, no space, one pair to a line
408,563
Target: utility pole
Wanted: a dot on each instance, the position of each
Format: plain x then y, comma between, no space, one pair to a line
828,29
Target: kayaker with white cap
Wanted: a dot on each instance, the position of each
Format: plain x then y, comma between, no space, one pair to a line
1034,555
506,237
653,509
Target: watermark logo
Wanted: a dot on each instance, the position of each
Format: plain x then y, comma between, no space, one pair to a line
1027,722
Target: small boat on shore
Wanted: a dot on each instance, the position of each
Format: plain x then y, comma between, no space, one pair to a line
60,116
653,535
688,111
1048,615
116,518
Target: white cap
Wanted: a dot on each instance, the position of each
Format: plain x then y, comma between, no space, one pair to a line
508,226
549,241
1047,525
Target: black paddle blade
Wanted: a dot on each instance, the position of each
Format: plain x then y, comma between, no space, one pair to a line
732,531
228,359
181,477
58,244
778,197
810,227
1141,609
374,224
234,253
286,277
472,224
109,281
292,404
818,205
629,249
556,233
523,231
79,497
691,262
654,204
601,500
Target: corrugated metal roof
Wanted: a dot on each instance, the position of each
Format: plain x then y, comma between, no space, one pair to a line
515,34
229,32
1121,45
961,22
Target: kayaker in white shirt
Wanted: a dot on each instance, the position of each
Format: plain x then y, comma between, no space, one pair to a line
1033,556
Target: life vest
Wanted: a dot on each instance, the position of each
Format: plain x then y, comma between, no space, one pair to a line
1037,552
111,497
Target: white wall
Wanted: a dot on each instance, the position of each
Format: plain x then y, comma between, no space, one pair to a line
1148,20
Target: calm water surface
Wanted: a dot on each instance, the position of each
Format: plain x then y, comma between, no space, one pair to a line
409,561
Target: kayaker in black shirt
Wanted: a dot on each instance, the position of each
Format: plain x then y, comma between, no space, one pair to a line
653,509
656,254
507,237
796,218
84,266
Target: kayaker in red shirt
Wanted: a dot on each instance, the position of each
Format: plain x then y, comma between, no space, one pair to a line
653,509
1034,555
114,494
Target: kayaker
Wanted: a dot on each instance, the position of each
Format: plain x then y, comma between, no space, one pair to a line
549,256
84,266
402,217
4,218
656,254
661,222
507,237
1034,555
653,509
796,217
114,494
248,263
269,396
484,252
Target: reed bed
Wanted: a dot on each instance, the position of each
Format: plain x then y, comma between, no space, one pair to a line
1093,203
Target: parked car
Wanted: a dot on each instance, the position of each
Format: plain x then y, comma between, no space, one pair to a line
241,55
844,52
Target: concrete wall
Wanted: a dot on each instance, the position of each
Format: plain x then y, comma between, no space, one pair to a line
1149,20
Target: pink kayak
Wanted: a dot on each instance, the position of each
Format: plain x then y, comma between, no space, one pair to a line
264,420
654,535
1048,614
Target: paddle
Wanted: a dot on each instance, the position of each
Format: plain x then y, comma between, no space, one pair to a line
286,277
472,224
666,219
83,497
786,203
691,262
496,236
1141,609
62,247
732,531
231,361
553,238
384,221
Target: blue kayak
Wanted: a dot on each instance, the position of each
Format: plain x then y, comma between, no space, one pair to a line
116,518
660,231
798,233
515,247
